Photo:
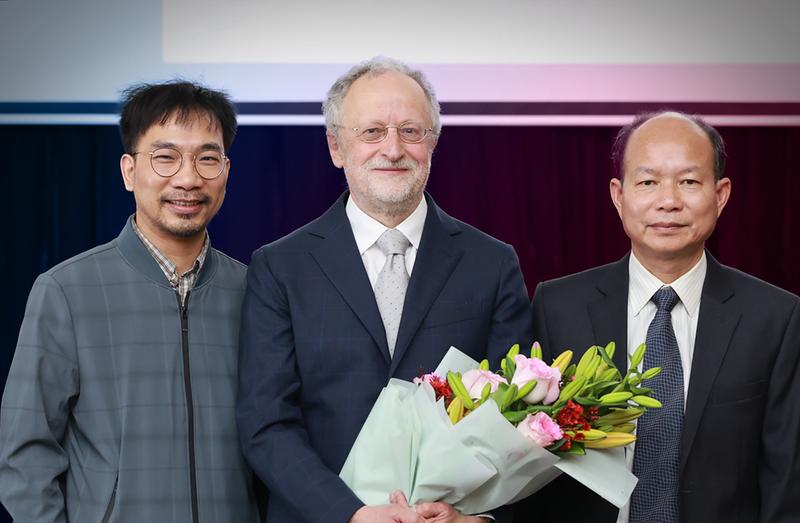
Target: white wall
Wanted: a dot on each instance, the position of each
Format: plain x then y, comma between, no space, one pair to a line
473,50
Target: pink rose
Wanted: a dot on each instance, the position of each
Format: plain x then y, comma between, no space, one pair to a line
547,379
541,429
474,380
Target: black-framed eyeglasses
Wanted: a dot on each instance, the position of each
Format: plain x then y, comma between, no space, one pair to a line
407,132
167,161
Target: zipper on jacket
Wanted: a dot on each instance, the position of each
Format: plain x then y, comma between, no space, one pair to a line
110,507
187,387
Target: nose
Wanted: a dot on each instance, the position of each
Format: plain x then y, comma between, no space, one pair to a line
187,177
669,197
392,146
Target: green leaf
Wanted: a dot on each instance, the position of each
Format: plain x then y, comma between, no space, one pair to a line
576,449
509,397
606,357
510,367
638,391
547,409
515,416
605,384
526,389
487,389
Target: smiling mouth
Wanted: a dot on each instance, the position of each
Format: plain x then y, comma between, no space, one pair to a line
184,203
666,226
185,207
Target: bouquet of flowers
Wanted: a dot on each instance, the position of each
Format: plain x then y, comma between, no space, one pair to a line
479,439
594,408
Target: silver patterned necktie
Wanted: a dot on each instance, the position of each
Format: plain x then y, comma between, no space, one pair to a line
390,288
656,458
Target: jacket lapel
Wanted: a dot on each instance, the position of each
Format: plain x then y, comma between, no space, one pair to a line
609,313
436,259
338,257
718,317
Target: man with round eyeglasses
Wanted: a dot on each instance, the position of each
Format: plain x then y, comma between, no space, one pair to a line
167,161
119,405
378,287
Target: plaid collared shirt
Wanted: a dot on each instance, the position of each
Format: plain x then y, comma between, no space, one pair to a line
182,283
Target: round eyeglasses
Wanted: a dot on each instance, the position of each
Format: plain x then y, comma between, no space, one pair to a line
408,132
167,161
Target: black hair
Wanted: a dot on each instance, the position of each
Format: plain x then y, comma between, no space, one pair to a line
624,134
144,105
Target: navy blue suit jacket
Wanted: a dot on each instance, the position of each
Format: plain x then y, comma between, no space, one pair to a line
740,446
313,351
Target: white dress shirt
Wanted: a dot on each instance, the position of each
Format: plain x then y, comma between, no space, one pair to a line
367,230
641,311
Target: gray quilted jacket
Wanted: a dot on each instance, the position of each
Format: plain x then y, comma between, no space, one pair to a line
119,405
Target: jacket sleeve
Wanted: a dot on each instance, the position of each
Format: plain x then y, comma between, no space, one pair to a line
779,473
271,427
511,316
41,386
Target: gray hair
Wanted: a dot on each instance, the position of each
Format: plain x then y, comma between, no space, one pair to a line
332,106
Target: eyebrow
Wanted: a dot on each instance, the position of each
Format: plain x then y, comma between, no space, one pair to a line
650,170
209,146
400,124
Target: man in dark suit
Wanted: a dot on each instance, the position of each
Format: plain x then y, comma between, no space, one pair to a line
736,445
377,287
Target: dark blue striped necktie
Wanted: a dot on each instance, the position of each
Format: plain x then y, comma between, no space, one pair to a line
656,459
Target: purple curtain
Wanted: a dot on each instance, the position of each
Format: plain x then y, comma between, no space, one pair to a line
542,189
545,191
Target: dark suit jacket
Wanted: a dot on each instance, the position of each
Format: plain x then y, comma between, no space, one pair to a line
314,356
740,458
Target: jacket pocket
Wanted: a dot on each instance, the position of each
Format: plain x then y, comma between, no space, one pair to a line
453,312
110,506
721,395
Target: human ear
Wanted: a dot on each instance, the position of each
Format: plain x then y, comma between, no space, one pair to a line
335,150
127,165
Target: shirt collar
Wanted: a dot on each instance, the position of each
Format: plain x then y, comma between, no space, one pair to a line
643,284
169,269
367,229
